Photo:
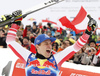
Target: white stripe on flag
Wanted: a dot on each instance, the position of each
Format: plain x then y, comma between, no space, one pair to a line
83,24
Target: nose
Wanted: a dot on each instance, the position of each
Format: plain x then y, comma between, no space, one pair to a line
49,46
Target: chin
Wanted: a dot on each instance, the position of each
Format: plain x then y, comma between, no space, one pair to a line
47,56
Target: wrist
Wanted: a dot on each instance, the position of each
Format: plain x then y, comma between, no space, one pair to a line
89,28
88,32
15,26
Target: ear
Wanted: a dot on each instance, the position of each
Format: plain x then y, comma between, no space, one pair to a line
37,47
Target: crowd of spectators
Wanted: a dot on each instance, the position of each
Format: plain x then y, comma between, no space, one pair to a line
26,36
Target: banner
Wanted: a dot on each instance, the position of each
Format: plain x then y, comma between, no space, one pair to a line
74,72
67,68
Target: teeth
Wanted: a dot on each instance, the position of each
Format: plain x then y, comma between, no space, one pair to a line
48,50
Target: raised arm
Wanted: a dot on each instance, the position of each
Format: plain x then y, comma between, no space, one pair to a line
71,50
21,52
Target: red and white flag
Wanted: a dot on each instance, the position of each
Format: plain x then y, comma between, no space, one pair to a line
79,24
46,20
98,53
59,29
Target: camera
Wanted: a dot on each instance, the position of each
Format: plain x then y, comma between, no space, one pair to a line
89,50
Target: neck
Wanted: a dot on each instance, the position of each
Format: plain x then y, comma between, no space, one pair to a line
41,56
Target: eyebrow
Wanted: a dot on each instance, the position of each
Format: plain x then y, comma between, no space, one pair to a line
47,42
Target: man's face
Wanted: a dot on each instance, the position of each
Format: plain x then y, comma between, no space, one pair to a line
63,46
92,44
67,43
2,34
45,48
25,41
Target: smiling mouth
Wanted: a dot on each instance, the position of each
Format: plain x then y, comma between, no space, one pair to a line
48,51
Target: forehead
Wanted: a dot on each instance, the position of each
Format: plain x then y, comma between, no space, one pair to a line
92,43
25,39
46,41
67,41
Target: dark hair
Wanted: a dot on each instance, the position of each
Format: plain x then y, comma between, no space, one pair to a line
69,42
56,45
34,22
26,38
92,41
54,29
44,27
49,24
2,30
32,39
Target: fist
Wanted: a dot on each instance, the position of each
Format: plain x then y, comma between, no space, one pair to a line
17,13
92,23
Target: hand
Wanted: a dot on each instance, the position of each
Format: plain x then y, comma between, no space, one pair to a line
5,18
17,13
92,25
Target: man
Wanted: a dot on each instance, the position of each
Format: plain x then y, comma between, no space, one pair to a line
92,43
3,39
63,46
43,63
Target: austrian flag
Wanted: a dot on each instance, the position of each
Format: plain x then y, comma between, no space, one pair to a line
98,53
79,23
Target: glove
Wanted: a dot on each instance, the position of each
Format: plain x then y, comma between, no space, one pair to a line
92,25
5,18
16,14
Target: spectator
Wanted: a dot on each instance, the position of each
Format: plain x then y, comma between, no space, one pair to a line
34,29
17,40
98,40
44,30
29,27
25,43
92,43
63,46
34,23
77,57
55,46
88,55
40,25
53,32
68,43
49,33
3,39
49,26
32,37
22,27
93,36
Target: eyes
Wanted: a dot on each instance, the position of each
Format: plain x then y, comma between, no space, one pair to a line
47,43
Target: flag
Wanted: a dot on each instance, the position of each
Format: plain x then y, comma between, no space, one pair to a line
99,18
46,20
33,49
79,23
98,53
59,30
